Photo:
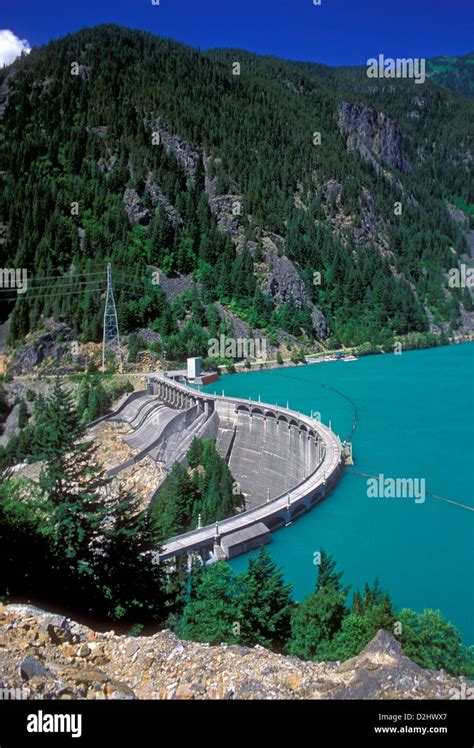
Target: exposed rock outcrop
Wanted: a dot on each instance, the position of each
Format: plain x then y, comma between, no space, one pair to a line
158,198
373,134
138,212
228,210
51,657
174,285
5,90
186,156
283,283
53,344
10,426
457,214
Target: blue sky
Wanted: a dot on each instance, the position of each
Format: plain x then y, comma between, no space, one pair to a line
336,32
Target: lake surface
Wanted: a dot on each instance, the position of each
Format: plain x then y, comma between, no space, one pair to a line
415,419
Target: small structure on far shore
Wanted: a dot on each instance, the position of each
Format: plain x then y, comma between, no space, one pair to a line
193,373
194,368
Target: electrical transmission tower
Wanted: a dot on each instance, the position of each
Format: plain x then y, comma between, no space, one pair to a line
111,340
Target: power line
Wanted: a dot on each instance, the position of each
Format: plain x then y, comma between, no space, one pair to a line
64,275
59,285
45,297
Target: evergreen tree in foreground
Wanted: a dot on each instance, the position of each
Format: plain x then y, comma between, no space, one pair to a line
213,611
253,607
57,426
265,603
88,544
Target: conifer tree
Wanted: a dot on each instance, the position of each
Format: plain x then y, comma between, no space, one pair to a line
265,603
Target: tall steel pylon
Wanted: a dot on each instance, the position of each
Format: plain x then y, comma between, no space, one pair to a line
111,339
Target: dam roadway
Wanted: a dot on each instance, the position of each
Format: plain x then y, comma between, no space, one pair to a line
287,507
283,462
275,512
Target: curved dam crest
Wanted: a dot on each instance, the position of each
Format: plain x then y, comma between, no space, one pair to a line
284,462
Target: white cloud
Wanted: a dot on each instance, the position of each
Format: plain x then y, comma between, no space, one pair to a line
11,46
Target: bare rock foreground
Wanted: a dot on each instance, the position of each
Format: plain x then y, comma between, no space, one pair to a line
48,656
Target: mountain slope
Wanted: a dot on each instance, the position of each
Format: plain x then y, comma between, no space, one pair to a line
120,146
455,73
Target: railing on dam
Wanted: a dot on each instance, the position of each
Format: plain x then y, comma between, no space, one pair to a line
302,496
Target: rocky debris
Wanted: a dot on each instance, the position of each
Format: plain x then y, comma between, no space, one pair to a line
52,344
147,335
134,207
111,449
103,665
283,283
158,198
30,667
374,135
174,285
457,215
107,165
10,426
142,478
185,155
228,210
56,628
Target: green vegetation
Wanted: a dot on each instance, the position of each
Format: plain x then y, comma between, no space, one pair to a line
4,407
208,492
251,608
102,146
68,541
95,397
453,72
256,607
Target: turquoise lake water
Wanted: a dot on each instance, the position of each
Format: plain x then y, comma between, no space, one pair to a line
415,419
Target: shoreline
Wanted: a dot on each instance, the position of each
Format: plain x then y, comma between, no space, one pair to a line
329,357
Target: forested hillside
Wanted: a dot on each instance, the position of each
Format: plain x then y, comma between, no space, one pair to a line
453,72
119,146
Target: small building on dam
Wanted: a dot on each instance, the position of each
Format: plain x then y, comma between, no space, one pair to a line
284,462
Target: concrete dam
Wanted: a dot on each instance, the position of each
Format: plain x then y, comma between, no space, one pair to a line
284,462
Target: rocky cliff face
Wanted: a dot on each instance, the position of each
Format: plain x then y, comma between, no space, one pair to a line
52,345
51,657
373,134
283,283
